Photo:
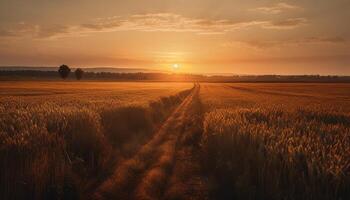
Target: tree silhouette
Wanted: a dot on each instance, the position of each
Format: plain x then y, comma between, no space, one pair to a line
79,73
64,71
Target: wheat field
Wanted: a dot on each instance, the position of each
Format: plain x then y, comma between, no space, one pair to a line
149,140
59,139
277,141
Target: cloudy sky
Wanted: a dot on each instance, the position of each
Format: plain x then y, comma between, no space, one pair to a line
201,36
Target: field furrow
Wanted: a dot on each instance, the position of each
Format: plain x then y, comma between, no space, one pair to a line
143,175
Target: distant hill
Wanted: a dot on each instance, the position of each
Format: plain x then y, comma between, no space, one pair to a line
87,69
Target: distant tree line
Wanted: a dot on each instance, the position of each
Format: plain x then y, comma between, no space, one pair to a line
64,72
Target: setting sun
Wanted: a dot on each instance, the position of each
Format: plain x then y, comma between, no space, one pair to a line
176,66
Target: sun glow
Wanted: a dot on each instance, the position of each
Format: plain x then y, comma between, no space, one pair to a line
176,66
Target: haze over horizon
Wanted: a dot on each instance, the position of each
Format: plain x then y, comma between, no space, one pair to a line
200,36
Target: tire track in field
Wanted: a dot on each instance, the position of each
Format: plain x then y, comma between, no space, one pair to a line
144,175
187,180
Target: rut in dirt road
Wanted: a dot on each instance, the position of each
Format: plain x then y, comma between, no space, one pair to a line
146,174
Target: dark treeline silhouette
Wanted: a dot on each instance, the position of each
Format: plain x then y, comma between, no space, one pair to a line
64,71
79,73
107,76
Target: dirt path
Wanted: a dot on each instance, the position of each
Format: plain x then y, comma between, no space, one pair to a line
150,173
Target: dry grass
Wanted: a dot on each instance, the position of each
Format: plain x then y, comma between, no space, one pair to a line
58,140
277,141
117,141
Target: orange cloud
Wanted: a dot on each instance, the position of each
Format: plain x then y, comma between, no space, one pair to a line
162,22
36,31
167,22
287,23
277,8
263,44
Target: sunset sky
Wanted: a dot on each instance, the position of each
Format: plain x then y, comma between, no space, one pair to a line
200,36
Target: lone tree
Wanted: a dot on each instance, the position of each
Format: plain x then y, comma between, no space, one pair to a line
64,71
79,73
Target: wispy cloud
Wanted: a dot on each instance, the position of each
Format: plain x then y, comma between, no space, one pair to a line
36,31
287,23
53,31
264,44
6,33
19,29
167,22
277,8
160,22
